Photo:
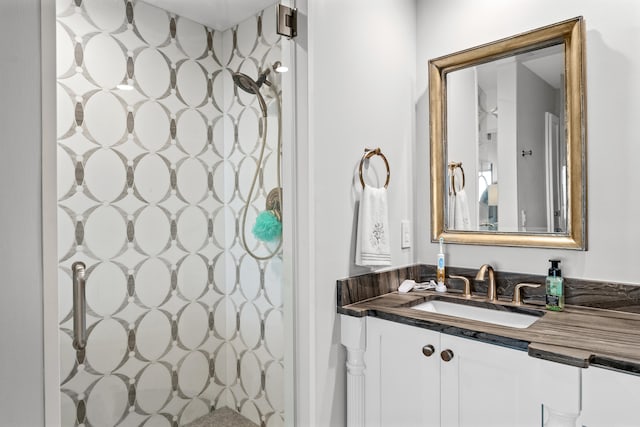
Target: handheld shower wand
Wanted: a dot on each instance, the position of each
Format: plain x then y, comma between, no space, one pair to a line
247,84
251,86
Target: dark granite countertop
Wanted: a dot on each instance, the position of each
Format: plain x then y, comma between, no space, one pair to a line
579,336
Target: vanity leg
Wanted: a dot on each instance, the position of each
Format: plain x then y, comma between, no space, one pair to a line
353,332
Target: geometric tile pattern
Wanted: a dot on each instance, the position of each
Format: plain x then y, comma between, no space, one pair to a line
152,184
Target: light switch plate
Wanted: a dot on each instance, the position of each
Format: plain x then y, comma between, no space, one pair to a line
405,232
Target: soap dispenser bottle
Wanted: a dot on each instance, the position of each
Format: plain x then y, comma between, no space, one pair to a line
555,287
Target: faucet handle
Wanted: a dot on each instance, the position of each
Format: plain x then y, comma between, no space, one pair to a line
517,296
467,285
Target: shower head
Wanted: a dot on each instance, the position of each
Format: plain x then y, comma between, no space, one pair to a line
248,85
251,86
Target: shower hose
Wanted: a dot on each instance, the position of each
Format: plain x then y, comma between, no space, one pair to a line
255,179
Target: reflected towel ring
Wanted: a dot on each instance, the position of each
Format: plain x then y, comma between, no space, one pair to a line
452,171
368,153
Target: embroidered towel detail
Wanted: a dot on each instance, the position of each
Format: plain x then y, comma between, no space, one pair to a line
372,241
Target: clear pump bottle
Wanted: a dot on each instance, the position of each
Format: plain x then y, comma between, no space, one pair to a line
554,287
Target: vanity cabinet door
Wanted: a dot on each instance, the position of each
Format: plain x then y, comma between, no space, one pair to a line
486,385
609,399
402,375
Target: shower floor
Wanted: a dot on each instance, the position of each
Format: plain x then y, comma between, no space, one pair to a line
224,417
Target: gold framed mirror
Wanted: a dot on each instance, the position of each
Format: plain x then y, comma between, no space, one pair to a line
511,115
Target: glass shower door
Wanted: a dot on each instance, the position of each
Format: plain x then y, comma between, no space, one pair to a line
154,152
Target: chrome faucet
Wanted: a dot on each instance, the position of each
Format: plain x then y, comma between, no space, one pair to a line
491,288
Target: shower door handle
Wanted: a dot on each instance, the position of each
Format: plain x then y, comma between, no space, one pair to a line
79,306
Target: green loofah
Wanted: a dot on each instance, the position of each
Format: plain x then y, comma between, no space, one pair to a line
267,228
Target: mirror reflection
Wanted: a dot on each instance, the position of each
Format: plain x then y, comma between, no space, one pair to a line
506,144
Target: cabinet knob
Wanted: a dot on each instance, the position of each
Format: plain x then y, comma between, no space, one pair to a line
428,350
446,355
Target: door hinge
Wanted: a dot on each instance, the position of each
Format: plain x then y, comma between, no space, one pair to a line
287,21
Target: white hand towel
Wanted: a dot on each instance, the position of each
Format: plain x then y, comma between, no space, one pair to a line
462,219
458,217
372,241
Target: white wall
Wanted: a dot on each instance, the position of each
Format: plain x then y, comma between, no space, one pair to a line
361,92
21,336
613,64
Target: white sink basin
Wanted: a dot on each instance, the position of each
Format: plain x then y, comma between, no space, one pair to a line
488,315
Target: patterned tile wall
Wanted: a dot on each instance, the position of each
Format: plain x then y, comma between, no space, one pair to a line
151,188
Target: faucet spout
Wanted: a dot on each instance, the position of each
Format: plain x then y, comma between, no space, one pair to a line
491,288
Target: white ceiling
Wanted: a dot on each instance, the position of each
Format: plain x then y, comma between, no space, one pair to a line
547,63
216,14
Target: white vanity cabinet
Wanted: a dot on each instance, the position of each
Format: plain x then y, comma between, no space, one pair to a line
417,377
610,399
402,375
405,376
487,385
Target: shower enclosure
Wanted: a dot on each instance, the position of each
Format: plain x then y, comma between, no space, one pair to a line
156,151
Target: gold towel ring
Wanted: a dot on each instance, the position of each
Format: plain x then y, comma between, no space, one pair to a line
452,171
368,153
